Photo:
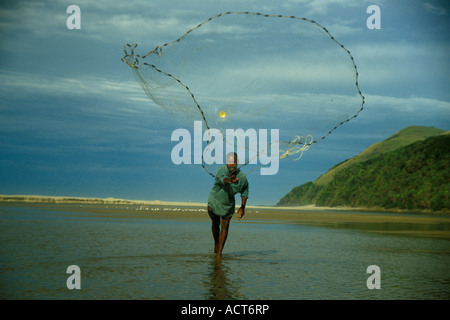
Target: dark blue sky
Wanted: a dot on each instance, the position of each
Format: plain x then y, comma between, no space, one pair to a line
74,121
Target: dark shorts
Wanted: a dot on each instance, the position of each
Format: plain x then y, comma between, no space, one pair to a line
214,216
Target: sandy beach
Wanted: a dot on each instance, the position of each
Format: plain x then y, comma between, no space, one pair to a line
60,199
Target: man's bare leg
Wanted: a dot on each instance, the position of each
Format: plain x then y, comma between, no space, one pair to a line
215,228
223,236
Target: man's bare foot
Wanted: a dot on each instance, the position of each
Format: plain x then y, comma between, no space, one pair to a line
219,257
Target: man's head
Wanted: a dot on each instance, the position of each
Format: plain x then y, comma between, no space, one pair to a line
232,161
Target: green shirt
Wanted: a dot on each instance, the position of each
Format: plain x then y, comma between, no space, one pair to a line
221,197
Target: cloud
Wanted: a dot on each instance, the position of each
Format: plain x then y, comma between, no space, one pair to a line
402,66
410,104
435,10
100,20
88,108
37,17
155,22
412,110
321,7
23,84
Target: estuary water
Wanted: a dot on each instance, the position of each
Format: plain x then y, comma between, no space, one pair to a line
135,256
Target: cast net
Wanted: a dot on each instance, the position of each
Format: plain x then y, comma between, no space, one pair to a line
253,71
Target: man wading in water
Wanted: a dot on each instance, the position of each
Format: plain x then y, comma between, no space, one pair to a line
229,180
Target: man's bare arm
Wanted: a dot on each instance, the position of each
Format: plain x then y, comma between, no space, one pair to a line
241,210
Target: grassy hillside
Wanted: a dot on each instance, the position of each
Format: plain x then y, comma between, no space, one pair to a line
415,176
402,138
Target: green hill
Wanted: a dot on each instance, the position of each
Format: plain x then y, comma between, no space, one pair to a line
407,171
402,138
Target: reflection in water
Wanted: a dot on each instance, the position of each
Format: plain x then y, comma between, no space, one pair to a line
221,288
128,258
440,229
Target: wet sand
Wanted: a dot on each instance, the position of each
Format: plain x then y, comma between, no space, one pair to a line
400,224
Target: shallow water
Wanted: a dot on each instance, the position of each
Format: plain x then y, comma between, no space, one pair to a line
147,258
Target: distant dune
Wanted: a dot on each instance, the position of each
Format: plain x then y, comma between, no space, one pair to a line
80,200
5,199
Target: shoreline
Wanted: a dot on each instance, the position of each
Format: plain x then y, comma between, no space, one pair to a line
117,201
436,226
39,199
